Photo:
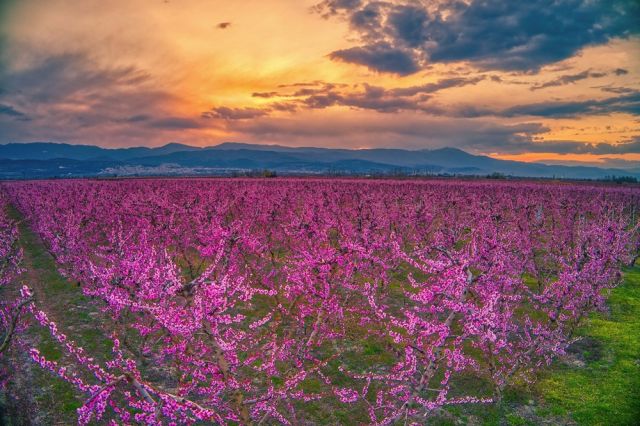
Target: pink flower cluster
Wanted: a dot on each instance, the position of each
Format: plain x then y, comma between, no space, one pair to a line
241,300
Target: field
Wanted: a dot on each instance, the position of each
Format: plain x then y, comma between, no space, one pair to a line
318,301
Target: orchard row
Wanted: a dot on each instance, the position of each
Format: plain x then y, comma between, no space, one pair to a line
252,298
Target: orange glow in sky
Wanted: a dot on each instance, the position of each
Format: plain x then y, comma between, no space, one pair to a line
316,73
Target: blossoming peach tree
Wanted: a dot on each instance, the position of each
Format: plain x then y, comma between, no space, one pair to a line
241,301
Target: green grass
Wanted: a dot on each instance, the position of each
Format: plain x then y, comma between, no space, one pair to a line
607,390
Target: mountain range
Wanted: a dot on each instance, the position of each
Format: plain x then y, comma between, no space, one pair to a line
48,160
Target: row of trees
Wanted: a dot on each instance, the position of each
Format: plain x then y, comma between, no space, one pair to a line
250,298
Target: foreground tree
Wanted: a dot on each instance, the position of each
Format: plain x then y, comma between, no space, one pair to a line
11,307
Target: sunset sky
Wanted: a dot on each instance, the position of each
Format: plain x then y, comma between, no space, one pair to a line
555,81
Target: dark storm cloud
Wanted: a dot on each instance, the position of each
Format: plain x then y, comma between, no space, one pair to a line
380,57
492,34
407,23
569,79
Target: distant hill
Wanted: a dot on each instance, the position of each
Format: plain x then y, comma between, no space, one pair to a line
47,159
51,150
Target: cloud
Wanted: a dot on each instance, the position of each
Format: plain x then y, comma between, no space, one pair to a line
629,104
492,34
437,86
617,90
223,25
265,94
72,97
136,118
573,147
380,57
67,76
302,84
372,98
569,79
160,122
226,113
322,95
419,99
404,131
10,111
333,7
175,123
620,71
415,132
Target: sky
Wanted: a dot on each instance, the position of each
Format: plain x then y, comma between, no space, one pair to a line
543,80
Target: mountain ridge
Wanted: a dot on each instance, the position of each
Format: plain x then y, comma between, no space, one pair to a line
53,159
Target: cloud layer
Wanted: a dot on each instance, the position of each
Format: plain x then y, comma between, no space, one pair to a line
400,36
